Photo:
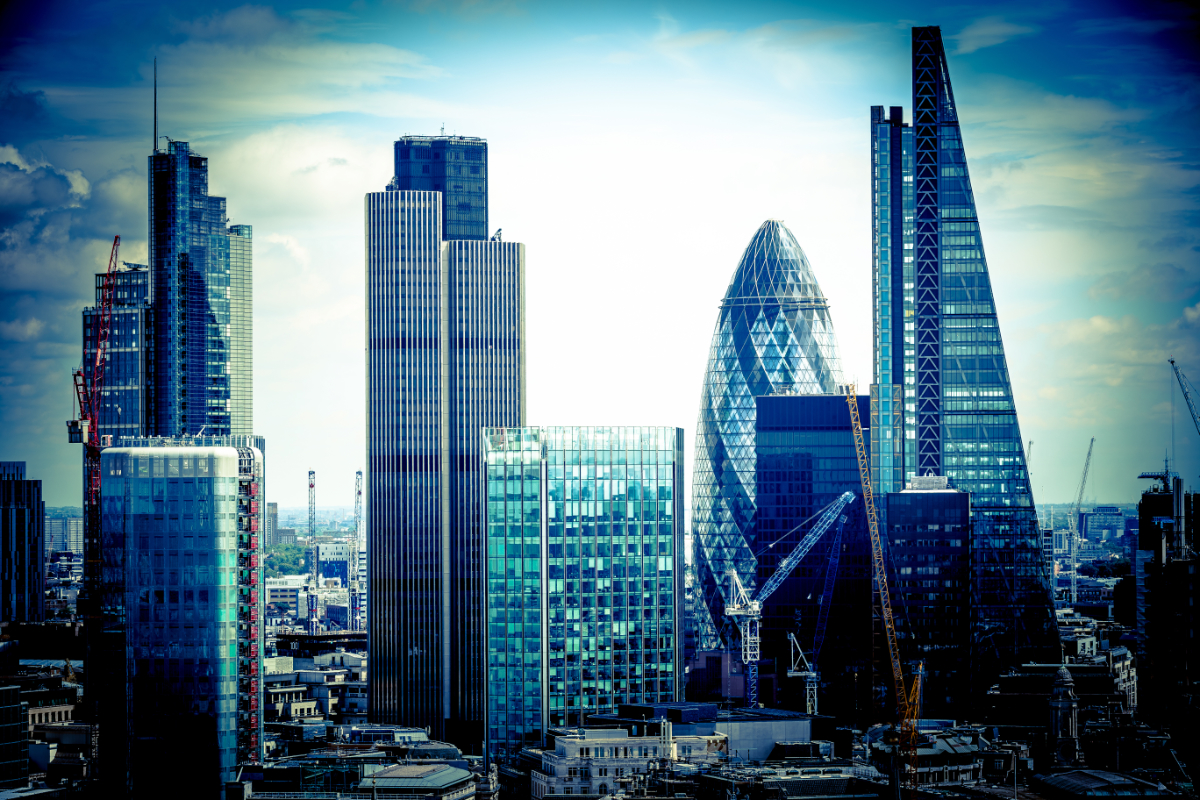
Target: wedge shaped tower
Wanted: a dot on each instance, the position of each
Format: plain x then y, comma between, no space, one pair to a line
773,334
942,402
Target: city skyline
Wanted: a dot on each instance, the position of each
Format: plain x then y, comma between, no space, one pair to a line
1060,164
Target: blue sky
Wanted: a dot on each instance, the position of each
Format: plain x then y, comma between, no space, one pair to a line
635,148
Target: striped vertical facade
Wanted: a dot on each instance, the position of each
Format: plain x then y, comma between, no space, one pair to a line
445,358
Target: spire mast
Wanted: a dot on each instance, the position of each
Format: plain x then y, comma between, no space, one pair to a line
155,148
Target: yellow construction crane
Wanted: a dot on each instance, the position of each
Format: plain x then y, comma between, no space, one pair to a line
908,706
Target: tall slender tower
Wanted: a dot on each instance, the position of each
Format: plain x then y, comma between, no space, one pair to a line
941,401
201,278
445,358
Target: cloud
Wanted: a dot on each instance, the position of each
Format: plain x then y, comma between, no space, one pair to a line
1163,282
988,32
21,330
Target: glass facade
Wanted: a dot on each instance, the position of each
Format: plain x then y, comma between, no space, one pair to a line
928,535
456,168
805,459
774,332
22,546
942,401
201,283
584,575
127,402
179,529
445,358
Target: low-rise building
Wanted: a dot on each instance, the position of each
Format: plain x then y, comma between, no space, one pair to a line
593,760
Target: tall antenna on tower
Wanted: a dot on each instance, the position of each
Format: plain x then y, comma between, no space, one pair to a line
155,148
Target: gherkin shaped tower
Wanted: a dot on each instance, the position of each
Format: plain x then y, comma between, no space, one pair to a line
773,333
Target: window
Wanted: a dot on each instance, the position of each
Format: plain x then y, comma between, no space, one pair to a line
425,169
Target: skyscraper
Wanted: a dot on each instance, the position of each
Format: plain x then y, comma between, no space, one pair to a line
127,406
942,401
584,575
180,527
773,332
455,167
201,278
805,460
22,547
445,358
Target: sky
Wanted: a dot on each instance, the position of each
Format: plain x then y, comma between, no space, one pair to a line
634,148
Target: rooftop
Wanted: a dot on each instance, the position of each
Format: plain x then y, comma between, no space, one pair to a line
415,776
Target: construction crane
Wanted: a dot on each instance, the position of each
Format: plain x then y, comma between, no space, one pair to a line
746,612
906,707
356,545
85,430
1186,386
1073,522
801,667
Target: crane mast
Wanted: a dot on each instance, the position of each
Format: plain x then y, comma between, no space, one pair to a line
877,559
1073,522
908,705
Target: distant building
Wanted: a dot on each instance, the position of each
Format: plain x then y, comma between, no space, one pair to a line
928,534
64,533
22,547
196,689
584,575
285,536
1102,524
271,526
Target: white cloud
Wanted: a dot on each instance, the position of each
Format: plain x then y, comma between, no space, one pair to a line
989,32
21,330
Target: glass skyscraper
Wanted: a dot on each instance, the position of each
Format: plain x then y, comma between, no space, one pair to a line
127,403
942,401
180,522
806,459
773,332
584,575
202,280
445,358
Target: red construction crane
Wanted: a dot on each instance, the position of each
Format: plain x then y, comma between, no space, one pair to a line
86,429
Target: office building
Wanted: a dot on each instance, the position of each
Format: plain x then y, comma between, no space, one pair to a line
22,546
456,168
584,575
805,460
1102,524
64,533
180,530
773,332
928,534
201,283
942,402
127,404
14,739
445,358
271,526
1165,575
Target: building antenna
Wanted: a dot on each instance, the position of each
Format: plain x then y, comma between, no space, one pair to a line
155,148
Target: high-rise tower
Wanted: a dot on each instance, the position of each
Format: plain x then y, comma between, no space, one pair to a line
455,167
773,332
201,283
942,401
445,358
